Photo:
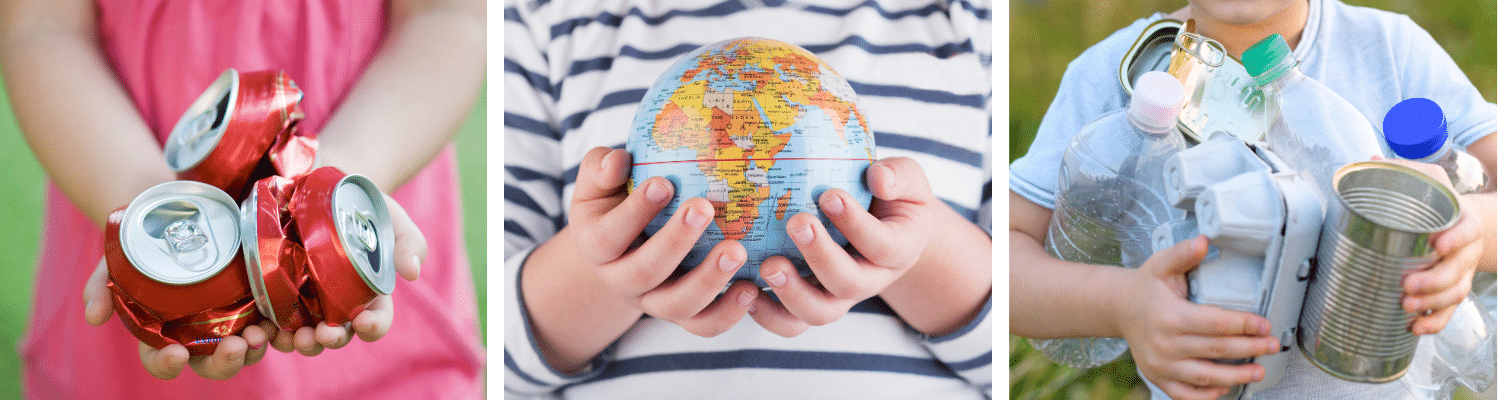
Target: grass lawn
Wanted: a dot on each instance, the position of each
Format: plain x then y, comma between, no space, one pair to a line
21,191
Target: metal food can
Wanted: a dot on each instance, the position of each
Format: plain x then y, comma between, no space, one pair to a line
172,253
1352,323
346,230
1221,95
275,263
223,137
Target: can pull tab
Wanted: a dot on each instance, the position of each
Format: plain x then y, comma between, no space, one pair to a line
178,225
358,228
1206,50
203,123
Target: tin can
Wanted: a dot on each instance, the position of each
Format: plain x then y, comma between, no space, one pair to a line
275,263
346,230
1352,323
225,134
1221,95
173,253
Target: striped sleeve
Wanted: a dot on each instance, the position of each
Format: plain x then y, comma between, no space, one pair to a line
533,199
967,352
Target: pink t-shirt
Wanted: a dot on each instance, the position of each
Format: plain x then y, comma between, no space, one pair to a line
165,53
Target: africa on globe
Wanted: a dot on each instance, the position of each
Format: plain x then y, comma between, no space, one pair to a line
760,128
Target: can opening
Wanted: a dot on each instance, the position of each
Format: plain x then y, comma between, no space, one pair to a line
1398,199
177,224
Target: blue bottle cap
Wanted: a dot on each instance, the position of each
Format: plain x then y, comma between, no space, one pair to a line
1415,128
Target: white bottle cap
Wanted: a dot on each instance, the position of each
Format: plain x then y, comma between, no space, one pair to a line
1156,101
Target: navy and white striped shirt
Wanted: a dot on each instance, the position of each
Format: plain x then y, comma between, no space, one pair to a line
574,74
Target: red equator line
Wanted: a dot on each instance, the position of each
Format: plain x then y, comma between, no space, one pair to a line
751,159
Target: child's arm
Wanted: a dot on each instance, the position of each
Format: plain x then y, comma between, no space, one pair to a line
1172,340
1464,248
406,107
75,116
413,95
93,144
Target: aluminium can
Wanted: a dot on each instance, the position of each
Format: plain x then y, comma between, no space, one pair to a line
275,263
346,230
224,136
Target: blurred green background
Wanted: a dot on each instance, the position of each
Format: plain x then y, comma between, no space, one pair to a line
22,186
1046,35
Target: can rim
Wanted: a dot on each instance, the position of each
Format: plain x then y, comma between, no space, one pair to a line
251,250
228,81
382,280
1448,194
153,197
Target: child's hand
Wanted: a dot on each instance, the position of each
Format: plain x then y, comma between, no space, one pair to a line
372,323
605,224
889,239
1435,292
1174,341
236,352
233,352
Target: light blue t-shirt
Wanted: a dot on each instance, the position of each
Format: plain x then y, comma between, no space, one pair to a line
1372,58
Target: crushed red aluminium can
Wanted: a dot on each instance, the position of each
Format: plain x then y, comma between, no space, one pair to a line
224,137
174,266
274,258
346,231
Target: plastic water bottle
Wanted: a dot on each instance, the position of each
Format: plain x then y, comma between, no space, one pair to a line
1463,353
1416,130
1316,131
1111,197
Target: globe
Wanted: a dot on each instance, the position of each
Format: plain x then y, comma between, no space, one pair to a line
760,128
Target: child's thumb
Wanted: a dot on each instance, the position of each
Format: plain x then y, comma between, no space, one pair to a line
1178,259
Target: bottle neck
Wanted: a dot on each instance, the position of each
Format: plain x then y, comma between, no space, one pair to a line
1441,153
1282,74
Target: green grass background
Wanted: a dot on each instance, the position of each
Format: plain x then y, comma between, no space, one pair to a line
22,184
1046,35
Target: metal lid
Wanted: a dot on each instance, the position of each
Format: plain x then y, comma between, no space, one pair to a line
364,229
201,127
181,232
1152,51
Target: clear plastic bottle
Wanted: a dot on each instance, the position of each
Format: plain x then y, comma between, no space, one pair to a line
1464,351
1315,131
1111,197
1416,130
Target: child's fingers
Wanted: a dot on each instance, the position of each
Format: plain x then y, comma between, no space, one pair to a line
411,245
1179,259
1454,269
774,317
804,300
609,234
649,265
97,304
1432,323
601,182
1227,347
723,313
1448,297
1466,233
332,337
887,243
372,323
689,294
226,361
164,363
1197,319
256,336
1206,373
840,273
1183,391
306,342
898,179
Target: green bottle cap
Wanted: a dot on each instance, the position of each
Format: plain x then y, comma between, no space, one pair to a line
1263,58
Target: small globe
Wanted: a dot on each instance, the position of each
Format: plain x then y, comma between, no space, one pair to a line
761,129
